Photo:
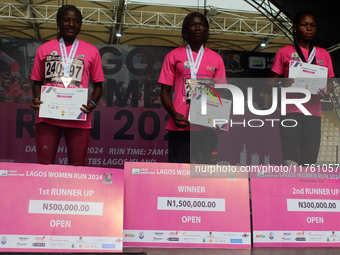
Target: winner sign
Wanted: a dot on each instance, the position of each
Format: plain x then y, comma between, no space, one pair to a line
171,205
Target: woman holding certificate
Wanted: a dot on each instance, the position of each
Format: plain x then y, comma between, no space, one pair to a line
66,62
180,67
300,144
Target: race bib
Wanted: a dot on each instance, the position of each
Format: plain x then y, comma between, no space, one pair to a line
54,69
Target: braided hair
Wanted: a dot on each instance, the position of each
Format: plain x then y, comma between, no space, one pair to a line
185,26
296,21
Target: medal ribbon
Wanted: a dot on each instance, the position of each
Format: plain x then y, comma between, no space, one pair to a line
67,60
194,65
311,54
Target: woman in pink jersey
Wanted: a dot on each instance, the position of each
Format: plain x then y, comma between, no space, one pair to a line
66,50
300,144
191,61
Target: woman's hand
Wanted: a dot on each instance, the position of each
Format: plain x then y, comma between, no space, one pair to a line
36,103
217,130
324,95
88,108
275,80
286,82
180,120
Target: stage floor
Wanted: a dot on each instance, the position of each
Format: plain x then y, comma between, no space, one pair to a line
190,251
253,251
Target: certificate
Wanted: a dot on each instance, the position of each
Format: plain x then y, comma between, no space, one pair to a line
308,76
62,103
217,112
192,84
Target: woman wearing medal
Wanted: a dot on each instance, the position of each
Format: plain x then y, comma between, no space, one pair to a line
77,61
180,66
300,144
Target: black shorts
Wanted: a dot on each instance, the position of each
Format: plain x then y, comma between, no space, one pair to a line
198,147
302,142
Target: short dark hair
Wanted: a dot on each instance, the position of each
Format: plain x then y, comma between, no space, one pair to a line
67,7
185,26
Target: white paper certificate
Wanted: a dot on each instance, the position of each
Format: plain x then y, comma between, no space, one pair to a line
215,111
62,103
308,76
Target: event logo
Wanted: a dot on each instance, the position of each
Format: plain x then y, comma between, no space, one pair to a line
157,238
315,234
21,244
3,240
271,235
3,172
107,178
229,234
135,171
38,244
257,62
58,244
235,240
141,235
108,246
260,236
101,239
89,246
173,239
315,239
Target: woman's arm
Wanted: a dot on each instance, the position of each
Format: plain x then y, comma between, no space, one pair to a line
274,81
36,93
95,97
180,120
